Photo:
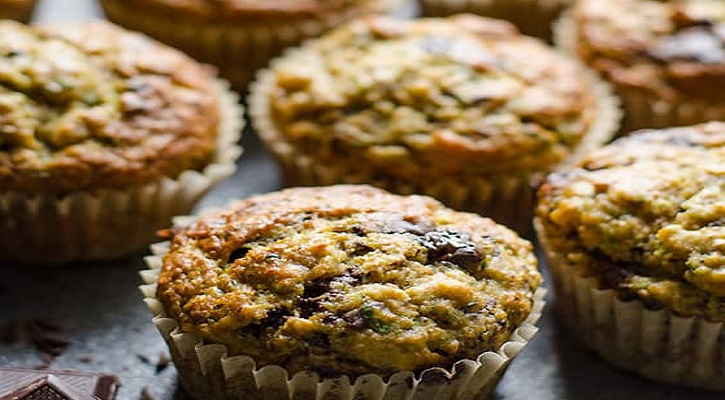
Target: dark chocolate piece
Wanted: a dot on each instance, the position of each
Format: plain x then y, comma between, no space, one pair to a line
25,384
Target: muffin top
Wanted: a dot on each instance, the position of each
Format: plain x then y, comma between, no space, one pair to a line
457,95
86,106
668,48
348,280
234,10
646,215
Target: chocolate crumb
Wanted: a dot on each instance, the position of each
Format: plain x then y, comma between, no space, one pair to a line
162,363
143,358
86,358
145,394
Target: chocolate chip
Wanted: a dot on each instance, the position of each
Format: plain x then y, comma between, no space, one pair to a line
275,318
329,319
238,253
320,339
355,319
319,287
308,307
361,250
451,246
316,288
358,230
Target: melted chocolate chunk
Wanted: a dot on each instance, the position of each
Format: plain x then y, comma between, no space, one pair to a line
361,250
450,246
700,43
308,307
316,288
319,287
275,318
238,253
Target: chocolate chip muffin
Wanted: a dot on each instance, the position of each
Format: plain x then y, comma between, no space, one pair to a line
464,109
104,135
19,10
665,58
634,235
347,281
237,36
532,17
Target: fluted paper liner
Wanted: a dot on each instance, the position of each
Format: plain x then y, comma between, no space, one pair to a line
208,373
656,344
110,223
532,17
642,109
508,199
236,49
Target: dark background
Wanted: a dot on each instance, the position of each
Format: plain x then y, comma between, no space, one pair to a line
101,312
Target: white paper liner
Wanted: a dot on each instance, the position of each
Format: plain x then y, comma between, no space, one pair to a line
532,17
207,372
111,223
658,345
642,109
236,49
508,199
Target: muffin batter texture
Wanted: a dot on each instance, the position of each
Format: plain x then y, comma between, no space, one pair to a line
645,216
348,280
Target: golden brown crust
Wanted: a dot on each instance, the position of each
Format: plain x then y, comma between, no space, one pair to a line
116,110
348,280
671,49
249,10
471,96
645,216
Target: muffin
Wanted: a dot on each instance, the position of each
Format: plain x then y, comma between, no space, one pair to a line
635,240
104,136
238,36
464,109
342,290
20,10
664,58
532,17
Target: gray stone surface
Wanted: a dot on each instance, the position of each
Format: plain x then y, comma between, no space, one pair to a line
103,314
